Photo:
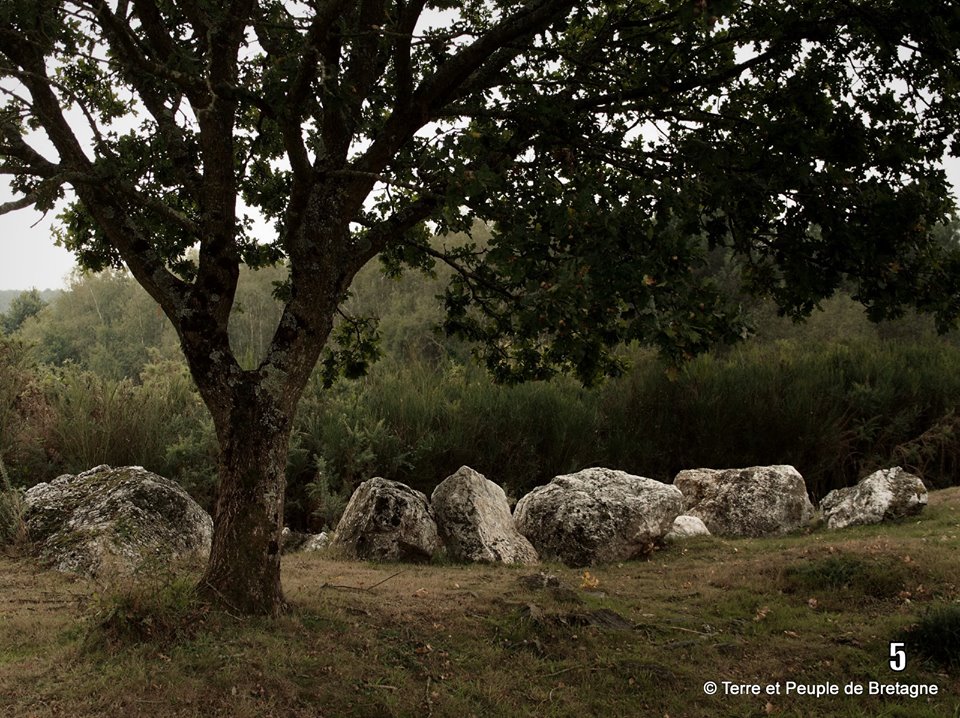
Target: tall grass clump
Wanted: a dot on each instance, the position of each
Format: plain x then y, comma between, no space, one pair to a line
834,410
13,529
25,417
847,579
418,423
521,435
159,607
327,503
747,408
153,422
937,635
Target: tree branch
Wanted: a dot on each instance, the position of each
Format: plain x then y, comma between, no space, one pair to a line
409,16
219,268
21,203
446,84
327,14
159,207
289,116
367,60
139,71
127,45
23,74
135,249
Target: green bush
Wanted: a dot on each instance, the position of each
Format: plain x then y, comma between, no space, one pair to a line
120,422
191,459
834,410
328,505
26,419
13,530
417,424
155,606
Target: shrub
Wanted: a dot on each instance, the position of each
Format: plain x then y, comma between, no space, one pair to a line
25,417
122,422
836,411
328,504
13,530
156,606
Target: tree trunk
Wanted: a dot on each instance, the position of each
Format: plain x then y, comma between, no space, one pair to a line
243,573
253,412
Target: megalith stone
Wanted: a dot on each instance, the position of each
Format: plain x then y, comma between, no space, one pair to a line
475,523
882,496
756,501
298,541
387,521
687,527
114,520
597,515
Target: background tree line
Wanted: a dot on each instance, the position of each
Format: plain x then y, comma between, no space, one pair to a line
94,375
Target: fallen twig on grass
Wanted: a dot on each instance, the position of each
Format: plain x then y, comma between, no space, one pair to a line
362,588
640,626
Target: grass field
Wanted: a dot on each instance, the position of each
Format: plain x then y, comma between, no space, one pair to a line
637,639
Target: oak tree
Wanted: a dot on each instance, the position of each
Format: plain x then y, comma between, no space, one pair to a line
608,146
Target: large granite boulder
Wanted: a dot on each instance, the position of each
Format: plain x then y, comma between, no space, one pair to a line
597,515
114,521
473,516
883,495
387,521
757,501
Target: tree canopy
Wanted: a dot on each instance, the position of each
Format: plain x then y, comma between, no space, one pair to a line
607,145
24,305
810,136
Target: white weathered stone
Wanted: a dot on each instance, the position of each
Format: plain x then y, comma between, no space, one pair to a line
756,501
296,541
882,496
597,515
114,520
473,516
687,527
316,542
387,521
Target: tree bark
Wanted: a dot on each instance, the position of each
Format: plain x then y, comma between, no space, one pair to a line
243,573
